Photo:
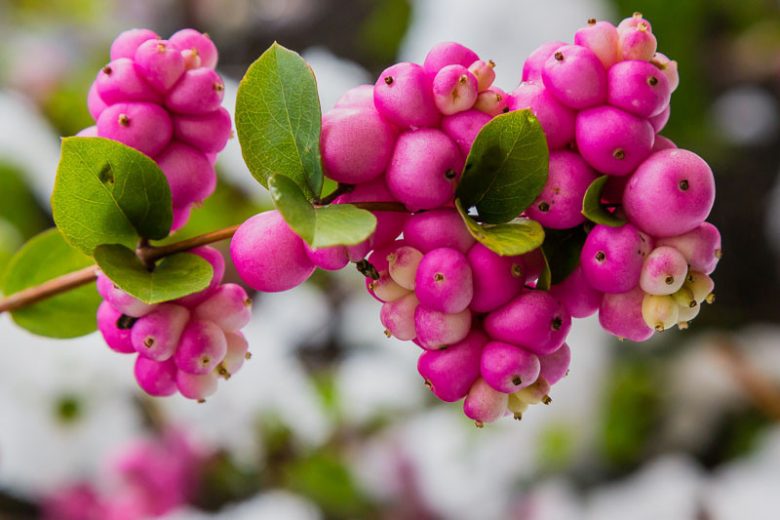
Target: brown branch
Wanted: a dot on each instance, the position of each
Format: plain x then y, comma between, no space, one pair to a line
761,390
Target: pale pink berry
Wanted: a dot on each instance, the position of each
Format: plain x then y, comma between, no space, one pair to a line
361,96
191,59
397,317
425,169
621,315
120,81
437,330
402,265
483,71
664,271
237,354
443,281
379,257
228,306
157,334
508,368
557,121
356,144
208,132
160,63
201,348
633,21
660,312
143,126
576,77
115,328
450,372
214,257
126,44
463,128
659,122
190,39
483,404
554,367
197,386
90,131
612,257
601,38
95,103
559,206
156,378
534,320
670,194
668,68
577,295
120,300
385,289
455,89
328,258
638,42
199,91
497,279
532,68
437,228
492,102
612,140
403,96
638,87
701,247
190,175
448,53
268,255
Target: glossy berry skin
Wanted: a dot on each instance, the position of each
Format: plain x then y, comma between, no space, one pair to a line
637,42
668,68
554,367
356,144
492,102
659,122
532,68
443,281
157,334
559,206
463,128
437,228
508,368
108,322
436,330
534,320
484,404
670,194
258,245
621,315
701,247
483,71
190,39
397,316
449,373
638,87
143,126
496,279
612,257
664,271
328,258
126,44
613,141
160,63
119,81
425,169
448,53
190,175
196,386
402,265
403,96
576,294
95,103
455,89
207,132
357,97
228,306
663,143
214,257
576,77
602,39
557,120
237,354
199,91
120,300
202,347
156,378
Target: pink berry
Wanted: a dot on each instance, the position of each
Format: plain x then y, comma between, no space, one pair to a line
483,71
612,257
576,294
160,64
455,89
196,386
556,120
199,91
397,317
361,96
554,367
385,289
328,258
229,307
497,279
701,247
402,265
156,378
638,87
181,215
115,329
483,404
207,132
403,96
437,330
664,271
120,300
237,354
190,175
143,126
90,131
637,42
533,320
157,334
201,348
633,22
448,53
602,39
449,373
425,169
95,103
492,102
612,140
437,228
559,206
532,68
576,77
508,368
463,128
126,44
621,315
217,261
380,256
668,68
190,39
120,81
659,122
670,194
268,255
356,144
443,281
389,223
663,143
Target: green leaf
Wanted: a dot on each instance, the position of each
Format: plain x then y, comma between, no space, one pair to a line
333,225
278,120
506,168
67,315
592,207
173,277
18,205
510,239
562,250
109,193
545,279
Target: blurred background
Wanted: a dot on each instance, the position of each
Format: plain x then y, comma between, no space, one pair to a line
330,419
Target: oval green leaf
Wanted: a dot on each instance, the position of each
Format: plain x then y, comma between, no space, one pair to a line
109,193
592,208
327,226
173,277
67,315
278,120
506,168
509,239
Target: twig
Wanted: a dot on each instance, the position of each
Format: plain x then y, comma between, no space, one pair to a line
758,387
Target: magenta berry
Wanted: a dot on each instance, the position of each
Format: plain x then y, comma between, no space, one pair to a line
156,378
659,122
257,247
437,330
403,96
483,71
508,368
437,228
455,89
199,91
534,320
157,334
120,81
483,404
160,63
532,68
235,357
126,44
576,294
612,257
621,315
120,300
559,206
557,120
196,386
449,373
670,194
361,96
602,39
143,126
554,367
356,144
115,328
663,143
497,279
443,281
612,140
701,247
190,174
448,53
215,258
207,132
202,347
463,127
95,103
425,169
181,215
637,42
664,271
200,43
397,316
492,102
229,307
576,77
638,87
328,258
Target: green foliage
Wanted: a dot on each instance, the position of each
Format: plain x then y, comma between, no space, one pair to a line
506,168
109,193
18,205
173,277
67,315
337,224
592,208
382,32
278,120
513,238
562,251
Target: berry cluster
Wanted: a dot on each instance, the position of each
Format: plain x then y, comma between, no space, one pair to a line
183,345
163,98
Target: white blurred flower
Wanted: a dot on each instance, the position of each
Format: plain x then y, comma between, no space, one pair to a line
746,115
269,505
